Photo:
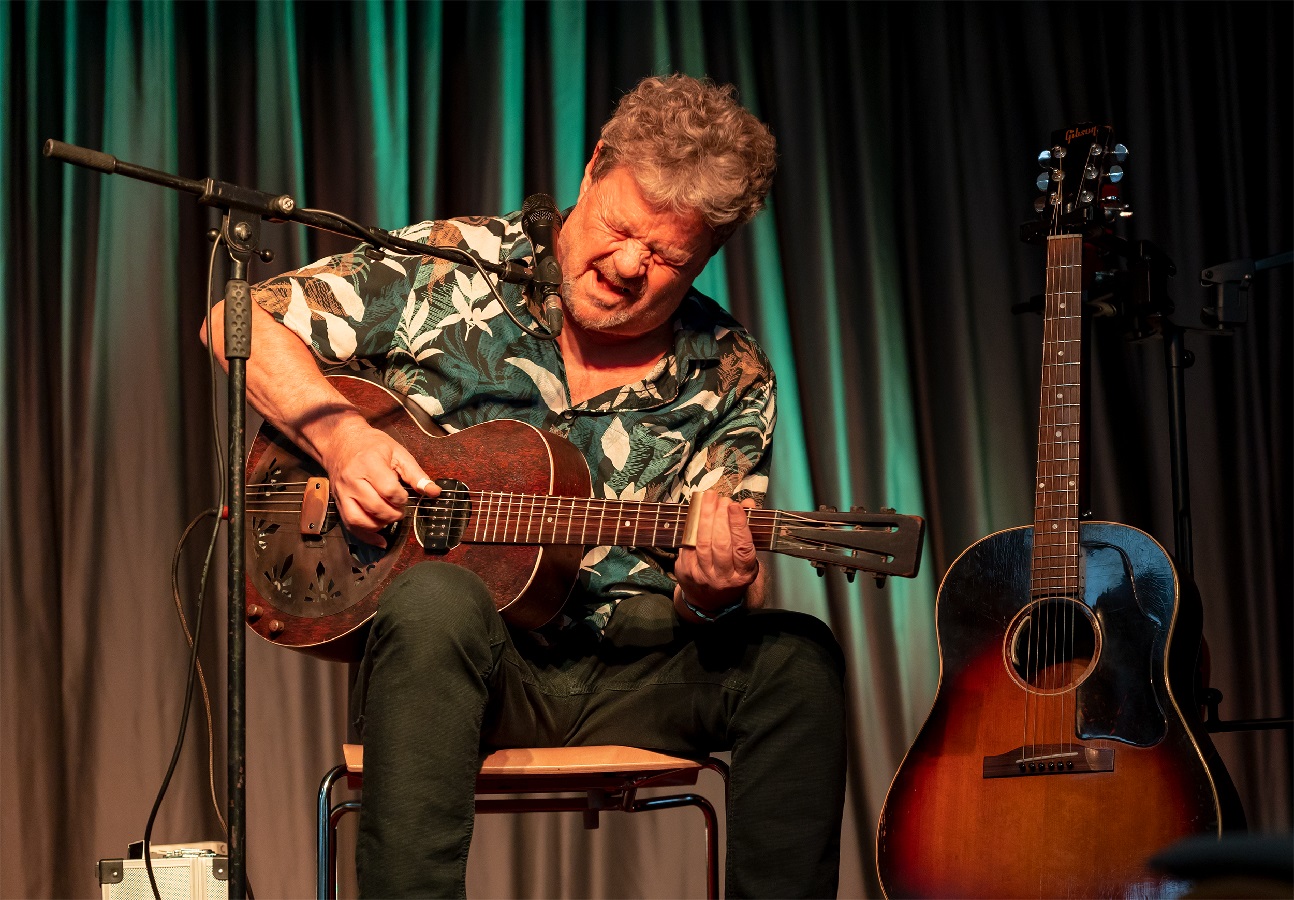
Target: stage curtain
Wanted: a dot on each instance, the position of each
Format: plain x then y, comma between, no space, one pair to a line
881,281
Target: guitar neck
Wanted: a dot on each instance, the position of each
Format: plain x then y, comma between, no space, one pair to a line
503,518
1056,488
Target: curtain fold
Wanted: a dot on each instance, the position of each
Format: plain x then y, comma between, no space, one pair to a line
880,281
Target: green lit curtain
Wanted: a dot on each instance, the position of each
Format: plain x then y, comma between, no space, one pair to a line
880,281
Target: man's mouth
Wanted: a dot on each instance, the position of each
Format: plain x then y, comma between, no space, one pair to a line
614,283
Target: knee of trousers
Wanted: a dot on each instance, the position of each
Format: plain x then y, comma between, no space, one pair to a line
800,650
433,603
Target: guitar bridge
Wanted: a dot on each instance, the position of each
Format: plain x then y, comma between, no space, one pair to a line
314,507
1049,759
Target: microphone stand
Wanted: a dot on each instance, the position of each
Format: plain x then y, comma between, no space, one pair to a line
244,209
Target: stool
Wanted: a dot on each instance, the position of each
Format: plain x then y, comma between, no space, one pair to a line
609,777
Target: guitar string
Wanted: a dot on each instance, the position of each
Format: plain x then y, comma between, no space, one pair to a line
763,523
1048,467
1031,624
286,503
490,501
511,510
1073,263
1058,664
1053,437
1073,292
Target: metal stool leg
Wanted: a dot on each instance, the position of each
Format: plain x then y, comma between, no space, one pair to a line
631,804
711,831
326,840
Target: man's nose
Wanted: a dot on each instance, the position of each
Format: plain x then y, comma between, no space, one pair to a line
631,259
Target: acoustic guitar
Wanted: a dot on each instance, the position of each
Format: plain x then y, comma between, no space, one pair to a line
514,507
1064,745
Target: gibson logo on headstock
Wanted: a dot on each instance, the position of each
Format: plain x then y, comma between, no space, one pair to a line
1072,133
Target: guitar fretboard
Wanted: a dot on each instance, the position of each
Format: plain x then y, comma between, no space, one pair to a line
1055,520
503,518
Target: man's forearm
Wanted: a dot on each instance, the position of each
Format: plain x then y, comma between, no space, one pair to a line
285,385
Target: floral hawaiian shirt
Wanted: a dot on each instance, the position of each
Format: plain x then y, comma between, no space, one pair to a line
702,419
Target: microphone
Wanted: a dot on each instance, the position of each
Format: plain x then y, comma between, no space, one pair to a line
542,223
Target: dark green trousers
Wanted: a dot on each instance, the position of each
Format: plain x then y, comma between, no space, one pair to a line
443,677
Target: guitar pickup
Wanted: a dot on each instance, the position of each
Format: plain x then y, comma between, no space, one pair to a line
314,507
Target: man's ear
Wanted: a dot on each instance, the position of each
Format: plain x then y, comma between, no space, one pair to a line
587,181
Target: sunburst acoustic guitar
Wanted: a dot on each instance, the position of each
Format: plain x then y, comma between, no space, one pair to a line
1064,746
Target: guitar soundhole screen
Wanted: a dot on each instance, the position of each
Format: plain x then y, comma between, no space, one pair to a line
1052,645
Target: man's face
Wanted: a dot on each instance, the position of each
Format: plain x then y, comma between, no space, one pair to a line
625,264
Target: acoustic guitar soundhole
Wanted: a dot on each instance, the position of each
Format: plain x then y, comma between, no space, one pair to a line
1052,645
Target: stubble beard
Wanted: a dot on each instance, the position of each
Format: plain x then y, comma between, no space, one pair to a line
581,313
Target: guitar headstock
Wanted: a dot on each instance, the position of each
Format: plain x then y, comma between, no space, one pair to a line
1081,175
883,543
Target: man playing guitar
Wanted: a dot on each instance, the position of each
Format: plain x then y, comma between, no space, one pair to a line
664,395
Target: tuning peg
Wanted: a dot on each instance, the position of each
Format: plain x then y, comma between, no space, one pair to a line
858,509
849,574
825,508
1044,181
1120,152
1116,174
1049,158
880,581
820,568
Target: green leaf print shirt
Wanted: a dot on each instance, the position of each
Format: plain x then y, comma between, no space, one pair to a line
701,420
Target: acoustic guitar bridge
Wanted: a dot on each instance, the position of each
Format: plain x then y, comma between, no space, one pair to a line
1049,759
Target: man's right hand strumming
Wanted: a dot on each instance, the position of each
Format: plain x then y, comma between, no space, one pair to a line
365,466
368,471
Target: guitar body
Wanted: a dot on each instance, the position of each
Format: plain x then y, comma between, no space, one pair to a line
317,593
988,801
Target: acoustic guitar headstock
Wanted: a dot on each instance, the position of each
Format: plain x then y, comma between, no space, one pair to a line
1082,172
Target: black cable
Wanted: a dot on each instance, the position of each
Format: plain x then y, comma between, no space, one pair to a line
188,690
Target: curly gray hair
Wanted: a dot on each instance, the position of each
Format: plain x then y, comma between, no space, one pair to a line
691,146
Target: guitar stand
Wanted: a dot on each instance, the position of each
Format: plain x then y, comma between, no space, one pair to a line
1215,723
